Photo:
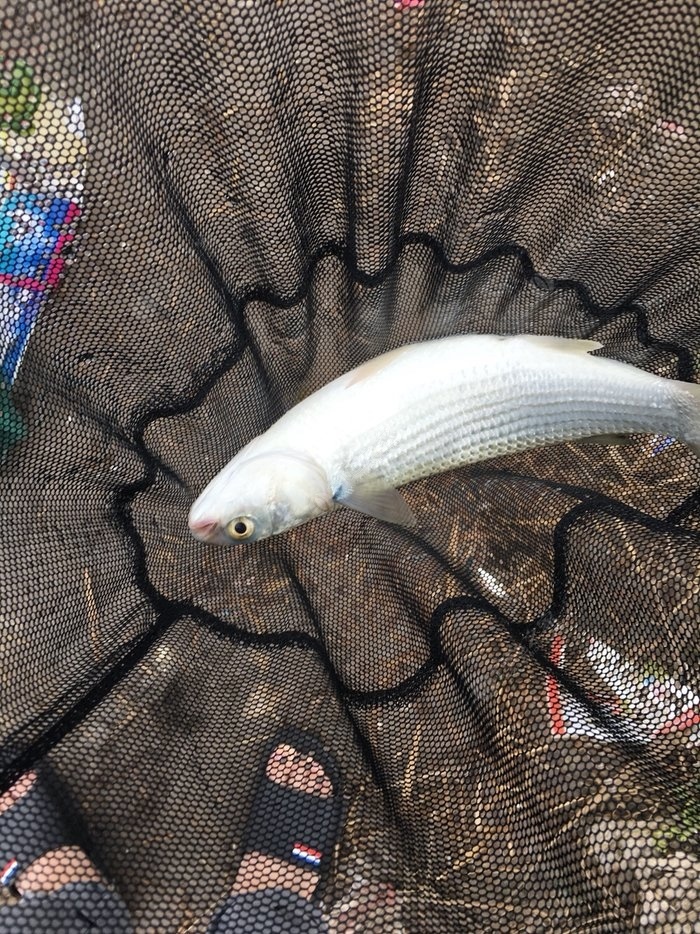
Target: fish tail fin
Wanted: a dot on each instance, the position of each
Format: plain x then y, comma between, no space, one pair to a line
689,405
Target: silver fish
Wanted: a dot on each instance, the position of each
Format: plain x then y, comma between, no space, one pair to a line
426,408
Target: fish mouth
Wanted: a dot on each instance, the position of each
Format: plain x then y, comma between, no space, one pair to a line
208,531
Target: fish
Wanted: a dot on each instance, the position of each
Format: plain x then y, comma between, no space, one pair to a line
426,408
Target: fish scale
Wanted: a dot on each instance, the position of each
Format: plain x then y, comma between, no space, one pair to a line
412,450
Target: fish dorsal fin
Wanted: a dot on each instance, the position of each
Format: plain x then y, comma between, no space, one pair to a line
573,345
387,505
374,366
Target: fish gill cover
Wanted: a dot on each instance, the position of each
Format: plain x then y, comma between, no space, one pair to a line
209,210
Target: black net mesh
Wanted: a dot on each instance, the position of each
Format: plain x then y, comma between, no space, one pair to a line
211,209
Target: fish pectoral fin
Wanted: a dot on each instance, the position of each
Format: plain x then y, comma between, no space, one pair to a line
606,439
387,505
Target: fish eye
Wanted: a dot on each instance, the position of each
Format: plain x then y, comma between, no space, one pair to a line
241,528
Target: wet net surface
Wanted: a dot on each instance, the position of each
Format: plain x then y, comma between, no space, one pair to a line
265,195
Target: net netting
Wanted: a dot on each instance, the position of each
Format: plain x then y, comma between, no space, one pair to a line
210,210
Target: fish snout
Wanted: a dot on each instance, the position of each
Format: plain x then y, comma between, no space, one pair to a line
207,530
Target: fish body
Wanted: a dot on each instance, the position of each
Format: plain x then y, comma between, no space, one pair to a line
426,408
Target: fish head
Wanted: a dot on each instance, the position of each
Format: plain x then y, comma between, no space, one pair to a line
260,496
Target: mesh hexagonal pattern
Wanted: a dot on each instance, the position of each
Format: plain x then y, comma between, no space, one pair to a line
208,211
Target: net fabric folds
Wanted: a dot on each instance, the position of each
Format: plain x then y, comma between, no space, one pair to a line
210,210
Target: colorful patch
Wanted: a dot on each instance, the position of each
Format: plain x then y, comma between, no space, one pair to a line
9,871
35,229
307,854
43,153
19,309
20,98
644,704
